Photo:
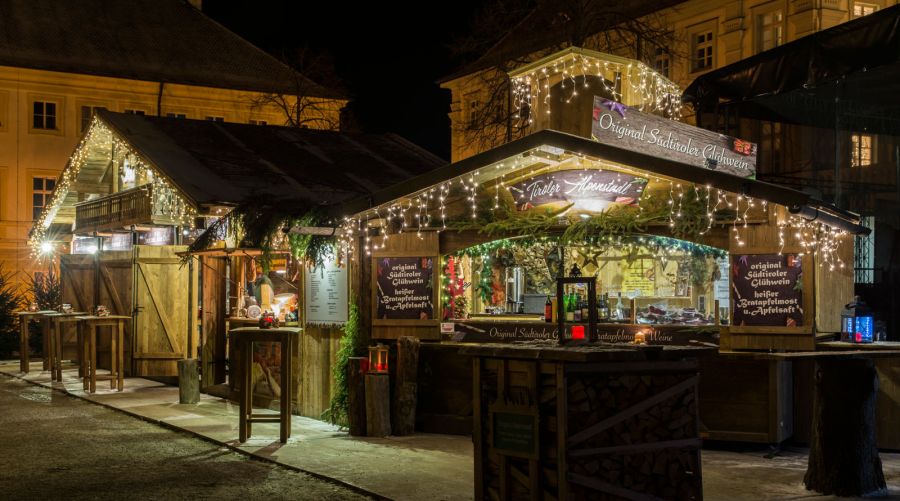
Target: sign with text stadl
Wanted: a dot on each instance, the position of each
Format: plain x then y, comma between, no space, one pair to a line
618,125
326,295
586,189
766,290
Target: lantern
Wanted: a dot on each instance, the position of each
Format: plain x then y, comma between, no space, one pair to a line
857,322
378,359
577,332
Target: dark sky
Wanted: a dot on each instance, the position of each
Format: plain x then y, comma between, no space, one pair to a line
387,54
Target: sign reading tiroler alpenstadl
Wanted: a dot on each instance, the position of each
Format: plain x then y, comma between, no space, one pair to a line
766,290
586,189
618,125
405,288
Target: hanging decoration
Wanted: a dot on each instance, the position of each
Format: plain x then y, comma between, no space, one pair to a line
625,80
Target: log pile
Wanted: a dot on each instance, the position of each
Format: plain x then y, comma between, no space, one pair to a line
606,431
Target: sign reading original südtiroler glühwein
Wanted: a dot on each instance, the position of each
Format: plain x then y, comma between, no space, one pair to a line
766,289
405,288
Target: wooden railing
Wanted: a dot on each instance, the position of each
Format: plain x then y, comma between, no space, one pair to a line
133,206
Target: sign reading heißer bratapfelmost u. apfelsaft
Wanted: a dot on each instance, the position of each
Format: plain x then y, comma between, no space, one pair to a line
618,125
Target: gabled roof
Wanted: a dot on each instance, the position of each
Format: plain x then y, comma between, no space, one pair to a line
229,163
152,40
553,24
546,139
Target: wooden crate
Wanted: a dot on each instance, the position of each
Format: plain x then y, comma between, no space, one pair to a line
569,430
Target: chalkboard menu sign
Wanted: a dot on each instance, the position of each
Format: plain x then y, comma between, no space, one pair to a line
766,290
405,288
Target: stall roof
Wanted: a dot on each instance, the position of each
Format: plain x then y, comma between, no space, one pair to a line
152,40
229,163
847,73
551,139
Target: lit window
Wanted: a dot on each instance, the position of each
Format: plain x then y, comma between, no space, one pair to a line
661,61
176,115
87,112
42,188
861,150
259,122
44,116
864,255
702,51
214,119
135,112
861,9
770,30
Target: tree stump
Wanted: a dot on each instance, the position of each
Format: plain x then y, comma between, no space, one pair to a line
843,456
378,405
403,408
356,385
188,381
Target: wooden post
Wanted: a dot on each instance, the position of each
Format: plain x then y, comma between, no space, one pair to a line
378,401
843,456
188,381
356,383
403,408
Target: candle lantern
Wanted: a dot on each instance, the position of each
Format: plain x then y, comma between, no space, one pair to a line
378,359
857,322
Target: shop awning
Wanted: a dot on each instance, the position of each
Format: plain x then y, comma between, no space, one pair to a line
549,141
845,76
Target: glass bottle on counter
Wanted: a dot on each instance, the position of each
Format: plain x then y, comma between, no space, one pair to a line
585,311
603,308
620,308
548,310
570,308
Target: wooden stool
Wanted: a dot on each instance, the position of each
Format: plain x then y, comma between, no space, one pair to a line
25,317
88,326
243,339
53,330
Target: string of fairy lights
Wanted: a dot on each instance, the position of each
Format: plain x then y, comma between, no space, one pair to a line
642,87
427,210
166,199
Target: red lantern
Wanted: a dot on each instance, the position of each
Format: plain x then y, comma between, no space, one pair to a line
577,332
378,359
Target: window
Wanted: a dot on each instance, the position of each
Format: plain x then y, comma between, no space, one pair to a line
769,30
770,147
87,112
135,112
176,115
702,49
861,9
472,109
661,61
214,119
258,122
42,187
44,115
864,255
862,150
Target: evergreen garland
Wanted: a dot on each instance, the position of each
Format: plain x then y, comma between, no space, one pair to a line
352,345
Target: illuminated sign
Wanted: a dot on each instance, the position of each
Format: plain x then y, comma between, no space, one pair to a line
588,190
618,125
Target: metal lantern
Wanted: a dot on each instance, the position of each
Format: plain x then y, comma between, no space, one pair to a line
857,323
378,359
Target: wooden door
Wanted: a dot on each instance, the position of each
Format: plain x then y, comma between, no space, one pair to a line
78,273
213,323
165,318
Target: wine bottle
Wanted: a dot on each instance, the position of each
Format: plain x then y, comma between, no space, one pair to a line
548,310
576,308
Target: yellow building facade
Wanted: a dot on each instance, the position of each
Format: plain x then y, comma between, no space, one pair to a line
43,113
698,36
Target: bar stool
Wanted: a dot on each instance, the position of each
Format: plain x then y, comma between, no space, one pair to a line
88,326
243,339
25,318
53,327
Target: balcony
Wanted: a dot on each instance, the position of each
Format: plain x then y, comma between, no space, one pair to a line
117,211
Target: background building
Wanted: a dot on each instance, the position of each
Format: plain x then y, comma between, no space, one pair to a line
61,61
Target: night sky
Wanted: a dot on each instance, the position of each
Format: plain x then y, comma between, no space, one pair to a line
387,54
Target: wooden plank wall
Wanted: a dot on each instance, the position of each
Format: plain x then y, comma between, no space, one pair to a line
77,278
212,337
312,370
834,289
115,286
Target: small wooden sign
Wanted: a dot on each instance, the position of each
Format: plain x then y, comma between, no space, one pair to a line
618,125
767,289
514,430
